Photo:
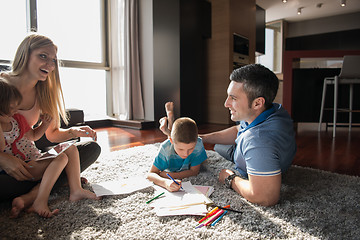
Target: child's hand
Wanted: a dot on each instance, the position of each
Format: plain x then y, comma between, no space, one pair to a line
45,118
171,186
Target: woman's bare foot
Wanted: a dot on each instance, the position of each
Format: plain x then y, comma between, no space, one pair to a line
43,210
164,126
18,204
83,180
169,108
81,194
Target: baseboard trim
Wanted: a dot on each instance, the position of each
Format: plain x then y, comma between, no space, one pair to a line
135,124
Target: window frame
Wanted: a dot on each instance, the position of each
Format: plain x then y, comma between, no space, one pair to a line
31,11
105,64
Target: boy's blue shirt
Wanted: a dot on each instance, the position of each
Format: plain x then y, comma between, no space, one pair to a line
168,160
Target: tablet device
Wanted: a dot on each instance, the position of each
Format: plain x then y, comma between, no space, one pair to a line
56,150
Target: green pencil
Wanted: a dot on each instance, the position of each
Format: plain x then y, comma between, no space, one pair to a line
154,198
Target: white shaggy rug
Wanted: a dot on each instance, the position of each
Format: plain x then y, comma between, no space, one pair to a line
314,205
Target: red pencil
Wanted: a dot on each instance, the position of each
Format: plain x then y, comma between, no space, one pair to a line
212,218
212,212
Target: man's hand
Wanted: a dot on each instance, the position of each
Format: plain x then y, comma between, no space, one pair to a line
224,174
262,190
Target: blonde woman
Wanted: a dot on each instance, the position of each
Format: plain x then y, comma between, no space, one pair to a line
35,73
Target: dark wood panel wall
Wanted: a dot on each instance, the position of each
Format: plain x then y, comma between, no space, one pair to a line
228,17
193,54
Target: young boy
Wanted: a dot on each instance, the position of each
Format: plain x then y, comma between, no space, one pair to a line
180,155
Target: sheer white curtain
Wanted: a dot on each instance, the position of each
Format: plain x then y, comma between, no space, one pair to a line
125,67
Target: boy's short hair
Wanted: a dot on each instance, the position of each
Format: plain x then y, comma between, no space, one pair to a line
184,130
8,94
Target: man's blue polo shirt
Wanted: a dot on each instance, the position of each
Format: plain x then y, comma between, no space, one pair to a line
267,146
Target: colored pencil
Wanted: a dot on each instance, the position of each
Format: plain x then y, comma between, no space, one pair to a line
199,226
174,180
214,222
212,218
184,205
155,198
229,209
212,212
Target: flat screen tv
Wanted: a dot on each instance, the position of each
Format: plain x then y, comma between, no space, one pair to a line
241,45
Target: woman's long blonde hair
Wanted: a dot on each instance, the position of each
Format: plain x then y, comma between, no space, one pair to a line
49,92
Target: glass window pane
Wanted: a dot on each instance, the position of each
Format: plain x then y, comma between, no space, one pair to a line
74,26
13,27
85,89
268,58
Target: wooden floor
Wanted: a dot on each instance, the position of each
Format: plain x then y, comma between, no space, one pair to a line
317,150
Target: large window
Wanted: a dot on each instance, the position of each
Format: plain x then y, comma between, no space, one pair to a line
78,29
13,27
272,58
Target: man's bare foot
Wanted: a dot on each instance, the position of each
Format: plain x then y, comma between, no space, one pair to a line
81,194
169,108
164,126
43,210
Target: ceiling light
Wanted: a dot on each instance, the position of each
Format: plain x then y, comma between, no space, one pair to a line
284,1
299,11
343,3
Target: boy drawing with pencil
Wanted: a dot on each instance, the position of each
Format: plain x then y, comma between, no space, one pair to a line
180,155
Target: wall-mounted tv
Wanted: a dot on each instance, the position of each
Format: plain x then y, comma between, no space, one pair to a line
241,50
241,44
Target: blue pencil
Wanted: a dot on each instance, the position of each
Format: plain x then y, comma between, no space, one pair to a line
219,218
173,180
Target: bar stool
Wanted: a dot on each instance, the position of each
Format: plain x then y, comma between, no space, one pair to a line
350,75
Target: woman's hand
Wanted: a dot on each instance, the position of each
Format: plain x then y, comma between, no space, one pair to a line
83,131
15,167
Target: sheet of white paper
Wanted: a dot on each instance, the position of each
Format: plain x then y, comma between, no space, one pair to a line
187,202
124,186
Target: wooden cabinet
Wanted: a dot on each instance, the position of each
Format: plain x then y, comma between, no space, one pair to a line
228,17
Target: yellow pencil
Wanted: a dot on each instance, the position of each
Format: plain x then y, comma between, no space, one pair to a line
209,214
185,205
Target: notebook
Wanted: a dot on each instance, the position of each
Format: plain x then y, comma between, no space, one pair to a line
188,202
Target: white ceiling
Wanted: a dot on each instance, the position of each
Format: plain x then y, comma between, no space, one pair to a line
276,9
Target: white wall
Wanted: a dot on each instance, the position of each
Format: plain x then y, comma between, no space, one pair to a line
324,25
147,56
160,55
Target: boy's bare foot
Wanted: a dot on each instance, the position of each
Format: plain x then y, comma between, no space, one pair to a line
81,194
164,126
43,210
169,108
